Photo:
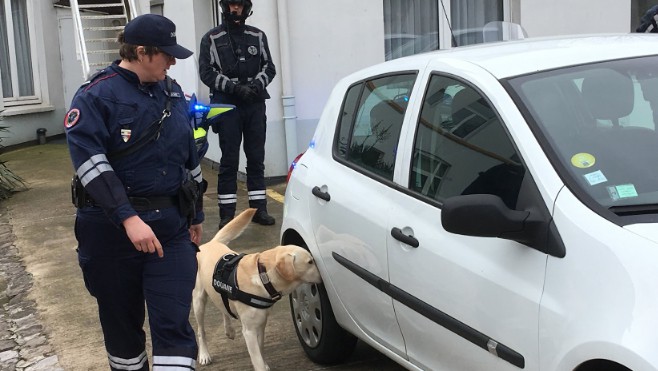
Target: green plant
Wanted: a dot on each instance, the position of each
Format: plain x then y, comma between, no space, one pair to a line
9,182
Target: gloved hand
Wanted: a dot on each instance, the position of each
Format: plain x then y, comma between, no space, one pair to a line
256,87
245,93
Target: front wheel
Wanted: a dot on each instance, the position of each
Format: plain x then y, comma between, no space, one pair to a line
322,339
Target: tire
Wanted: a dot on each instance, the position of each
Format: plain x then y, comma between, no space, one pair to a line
322,339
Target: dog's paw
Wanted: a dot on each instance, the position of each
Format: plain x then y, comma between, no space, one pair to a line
204,358
230,332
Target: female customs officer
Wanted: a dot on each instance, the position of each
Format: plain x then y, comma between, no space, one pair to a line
137,223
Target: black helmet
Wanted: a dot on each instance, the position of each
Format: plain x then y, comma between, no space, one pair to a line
226,11
648,21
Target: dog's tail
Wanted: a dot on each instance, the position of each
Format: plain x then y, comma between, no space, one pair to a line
235,227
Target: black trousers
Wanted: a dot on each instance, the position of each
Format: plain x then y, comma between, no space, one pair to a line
247,121
122,279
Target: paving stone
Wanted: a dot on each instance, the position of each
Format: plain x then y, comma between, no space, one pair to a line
7,344
8,355
23,342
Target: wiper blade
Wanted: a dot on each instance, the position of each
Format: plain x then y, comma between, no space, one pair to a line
625,210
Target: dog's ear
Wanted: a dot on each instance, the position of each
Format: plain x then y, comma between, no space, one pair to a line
285,266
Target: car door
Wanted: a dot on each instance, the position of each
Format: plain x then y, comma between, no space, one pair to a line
352,187
463,303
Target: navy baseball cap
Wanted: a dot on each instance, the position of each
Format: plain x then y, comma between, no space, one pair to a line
154,30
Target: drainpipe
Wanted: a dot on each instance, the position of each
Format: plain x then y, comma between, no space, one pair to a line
287,96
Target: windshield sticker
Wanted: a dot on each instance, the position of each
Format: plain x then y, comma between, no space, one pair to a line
622,191
583,160
595,178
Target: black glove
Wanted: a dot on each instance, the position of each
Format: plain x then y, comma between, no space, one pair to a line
245,93
256,87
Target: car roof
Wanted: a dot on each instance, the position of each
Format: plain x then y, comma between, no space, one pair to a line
513,58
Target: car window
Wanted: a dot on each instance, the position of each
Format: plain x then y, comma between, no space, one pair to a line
370,123
461,146
599,122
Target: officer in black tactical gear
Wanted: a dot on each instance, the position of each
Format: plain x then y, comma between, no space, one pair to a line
236,64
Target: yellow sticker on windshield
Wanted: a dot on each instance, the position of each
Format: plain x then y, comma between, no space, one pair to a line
583,160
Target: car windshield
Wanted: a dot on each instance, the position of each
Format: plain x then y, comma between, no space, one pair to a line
598,124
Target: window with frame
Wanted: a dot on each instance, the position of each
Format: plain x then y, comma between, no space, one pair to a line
412,26
371,121
17,73
461,147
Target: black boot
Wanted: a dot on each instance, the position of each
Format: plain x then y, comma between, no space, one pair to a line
224,221
263,218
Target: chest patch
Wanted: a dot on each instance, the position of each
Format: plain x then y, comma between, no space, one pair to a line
252,50
72,118
125,134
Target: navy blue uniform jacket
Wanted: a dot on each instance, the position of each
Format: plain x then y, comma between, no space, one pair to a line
109,113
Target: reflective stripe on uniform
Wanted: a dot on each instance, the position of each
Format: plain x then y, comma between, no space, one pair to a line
227,199
166,363
196,174
257,195
92,168
136,363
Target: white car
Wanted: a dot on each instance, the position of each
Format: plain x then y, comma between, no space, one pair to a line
492,207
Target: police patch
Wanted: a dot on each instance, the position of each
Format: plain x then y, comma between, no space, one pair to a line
72,118
125,134
252,50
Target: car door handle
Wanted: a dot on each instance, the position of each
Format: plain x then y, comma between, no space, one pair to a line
317,192
409,240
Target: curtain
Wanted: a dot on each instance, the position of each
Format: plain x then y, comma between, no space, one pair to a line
410,26
22,48
5,72
469,17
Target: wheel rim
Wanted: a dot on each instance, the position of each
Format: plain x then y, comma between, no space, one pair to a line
307,312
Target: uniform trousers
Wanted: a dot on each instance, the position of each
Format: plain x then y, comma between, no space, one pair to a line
248,121
122,279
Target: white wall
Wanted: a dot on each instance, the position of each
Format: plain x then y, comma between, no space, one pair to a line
49,114
331,39
328,40
563,17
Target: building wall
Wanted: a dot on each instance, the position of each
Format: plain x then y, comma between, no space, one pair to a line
563,17
327,40
325,44
24,121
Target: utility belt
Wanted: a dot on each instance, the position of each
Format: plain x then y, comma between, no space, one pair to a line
81,198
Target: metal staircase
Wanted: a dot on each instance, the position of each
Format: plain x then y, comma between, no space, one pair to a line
96,25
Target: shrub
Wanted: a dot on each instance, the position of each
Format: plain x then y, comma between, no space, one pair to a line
9,182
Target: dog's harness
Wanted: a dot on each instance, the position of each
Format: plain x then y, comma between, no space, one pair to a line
224,281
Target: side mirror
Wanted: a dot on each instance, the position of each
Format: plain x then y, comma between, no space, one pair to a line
485,215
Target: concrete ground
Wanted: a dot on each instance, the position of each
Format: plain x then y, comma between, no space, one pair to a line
42,219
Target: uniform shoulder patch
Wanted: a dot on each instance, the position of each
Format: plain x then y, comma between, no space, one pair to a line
72,118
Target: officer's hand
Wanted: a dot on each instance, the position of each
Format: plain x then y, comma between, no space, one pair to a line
195,233
245,93
256,87
142,236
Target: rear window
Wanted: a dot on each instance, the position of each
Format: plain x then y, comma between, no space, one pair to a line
370,124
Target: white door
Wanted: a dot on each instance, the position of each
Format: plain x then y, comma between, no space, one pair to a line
463,303
71,67
349,212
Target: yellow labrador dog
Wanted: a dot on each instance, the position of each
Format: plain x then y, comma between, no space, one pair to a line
246,286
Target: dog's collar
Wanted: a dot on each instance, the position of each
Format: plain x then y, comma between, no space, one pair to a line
265,279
